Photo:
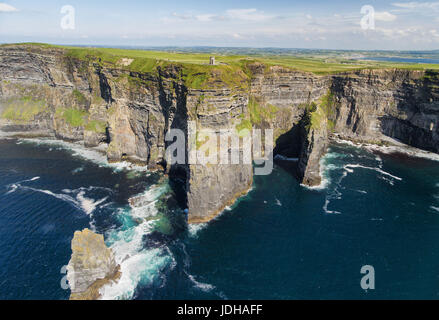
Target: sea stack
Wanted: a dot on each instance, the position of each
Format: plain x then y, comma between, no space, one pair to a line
91,266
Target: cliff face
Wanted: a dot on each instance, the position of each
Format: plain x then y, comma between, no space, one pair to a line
48,92
376,104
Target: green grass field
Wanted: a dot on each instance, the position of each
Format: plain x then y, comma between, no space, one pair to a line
197,63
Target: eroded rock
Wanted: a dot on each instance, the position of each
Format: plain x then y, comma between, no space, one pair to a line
91,266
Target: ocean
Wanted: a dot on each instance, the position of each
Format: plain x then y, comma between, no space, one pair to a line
280,241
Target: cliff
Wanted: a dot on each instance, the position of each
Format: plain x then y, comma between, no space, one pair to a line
91,266
129,104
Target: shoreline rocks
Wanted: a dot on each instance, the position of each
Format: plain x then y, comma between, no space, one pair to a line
91,266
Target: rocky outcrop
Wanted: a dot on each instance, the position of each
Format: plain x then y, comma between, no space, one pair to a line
314,145
91,266
377,104
50,92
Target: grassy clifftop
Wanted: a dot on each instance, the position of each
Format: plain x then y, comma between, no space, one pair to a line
230,69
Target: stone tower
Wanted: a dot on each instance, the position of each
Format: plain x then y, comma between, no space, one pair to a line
212,61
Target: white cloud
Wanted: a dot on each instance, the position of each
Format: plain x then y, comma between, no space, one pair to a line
182,16
416,5
384,16
4,7
247,14
208,17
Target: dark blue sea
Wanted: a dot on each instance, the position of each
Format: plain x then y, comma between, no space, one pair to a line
281,241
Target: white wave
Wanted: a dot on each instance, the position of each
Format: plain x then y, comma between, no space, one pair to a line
194,229
325,208
93,154
200,285
388,180
59,196
77,170
139,265
361,191
325,181
435,208
141,268
335,155
14,186
143,205
397,148
379,160
87,204
283,158
379,170
278,202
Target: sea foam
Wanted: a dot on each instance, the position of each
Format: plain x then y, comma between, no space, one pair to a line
138,265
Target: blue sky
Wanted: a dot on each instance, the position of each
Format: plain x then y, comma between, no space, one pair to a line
399,25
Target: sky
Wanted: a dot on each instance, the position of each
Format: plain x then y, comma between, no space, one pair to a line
335,24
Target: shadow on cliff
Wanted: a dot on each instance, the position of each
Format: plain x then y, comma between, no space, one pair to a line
175,114
420,100
289,145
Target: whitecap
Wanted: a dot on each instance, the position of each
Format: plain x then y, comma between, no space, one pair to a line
141,268
77,170
81,202
87,204
435,208
93,154
138,265
14,186
325,208
144,205
194,229
379,170
206,287
397,147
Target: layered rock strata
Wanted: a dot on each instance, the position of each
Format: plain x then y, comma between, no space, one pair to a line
47,91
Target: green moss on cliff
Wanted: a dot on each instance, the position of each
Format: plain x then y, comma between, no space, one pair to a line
74,117
317,117
322,111
210,77
24,109
245,124
79,97
96,126
259,112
